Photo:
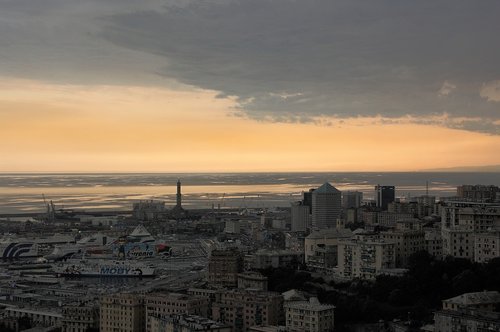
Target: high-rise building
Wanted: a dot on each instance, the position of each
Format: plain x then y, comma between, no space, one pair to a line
326,206
301,217
384,195
352,199
307,201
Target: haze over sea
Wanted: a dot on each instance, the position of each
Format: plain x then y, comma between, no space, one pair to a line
22,193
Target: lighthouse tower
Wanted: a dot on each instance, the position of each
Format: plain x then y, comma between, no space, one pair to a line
178,211
179,195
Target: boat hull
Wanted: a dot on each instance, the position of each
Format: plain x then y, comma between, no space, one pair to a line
105,270
17,250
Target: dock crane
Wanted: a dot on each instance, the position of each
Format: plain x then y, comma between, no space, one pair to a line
51,209
221,204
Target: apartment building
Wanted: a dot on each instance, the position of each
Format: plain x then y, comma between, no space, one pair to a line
252,280
320,247
309,316
160,304
365,257
223,267
487,245
243,308
409,238
434,242
475,312
461,222
186,323
38,317
122,312
80,317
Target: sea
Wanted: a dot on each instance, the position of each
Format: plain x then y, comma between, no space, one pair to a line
28,193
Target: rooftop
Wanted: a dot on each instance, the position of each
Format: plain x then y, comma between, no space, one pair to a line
293,295
312,304
469,299
326,188
330,233
195,323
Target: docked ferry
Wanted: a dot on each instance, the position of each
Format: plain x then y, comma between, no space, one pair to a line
14,249
104,268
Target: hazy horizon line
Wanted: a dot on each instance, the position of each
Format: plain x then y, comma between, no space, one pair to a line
439,170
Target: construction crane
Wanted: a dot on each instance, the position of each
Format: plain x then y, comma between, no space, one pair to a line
47,207
51,209
221,204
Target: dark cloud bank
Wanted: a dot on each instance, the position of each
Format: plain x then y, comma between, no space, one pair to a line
432,62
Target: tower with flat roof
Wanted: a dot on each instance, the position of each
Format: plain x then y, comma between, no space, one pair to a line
384,195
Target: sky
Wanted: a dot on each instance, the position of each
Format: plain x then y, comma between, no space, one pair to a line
261,85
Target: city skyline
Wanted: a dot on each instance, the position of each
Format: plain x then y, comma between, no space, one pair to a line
230,86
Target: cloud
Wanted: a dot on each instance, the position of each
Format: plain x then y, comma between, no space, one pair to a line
281,60
491,91
446,89
58,41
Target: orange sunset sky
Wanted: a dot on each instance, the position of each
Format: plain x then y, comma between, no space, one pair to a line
108,87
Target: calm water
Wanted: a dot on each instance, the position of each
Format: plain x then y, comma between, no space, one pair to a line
23,192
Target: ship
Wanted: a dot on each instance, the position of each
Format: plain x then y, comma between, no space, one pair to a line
95,242
137,245
14,248
17,248
104,268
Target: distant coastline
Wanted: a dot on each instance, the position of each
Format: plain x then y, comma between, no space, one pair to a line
479,169
459,169
23,193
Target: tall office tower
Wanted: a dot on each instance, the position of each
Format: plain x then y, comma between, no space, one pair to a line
307,201
352,199
384,195
301,217
326,206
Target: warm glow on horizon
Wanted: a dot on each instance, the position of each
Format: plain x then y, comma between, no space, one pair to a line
70,128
